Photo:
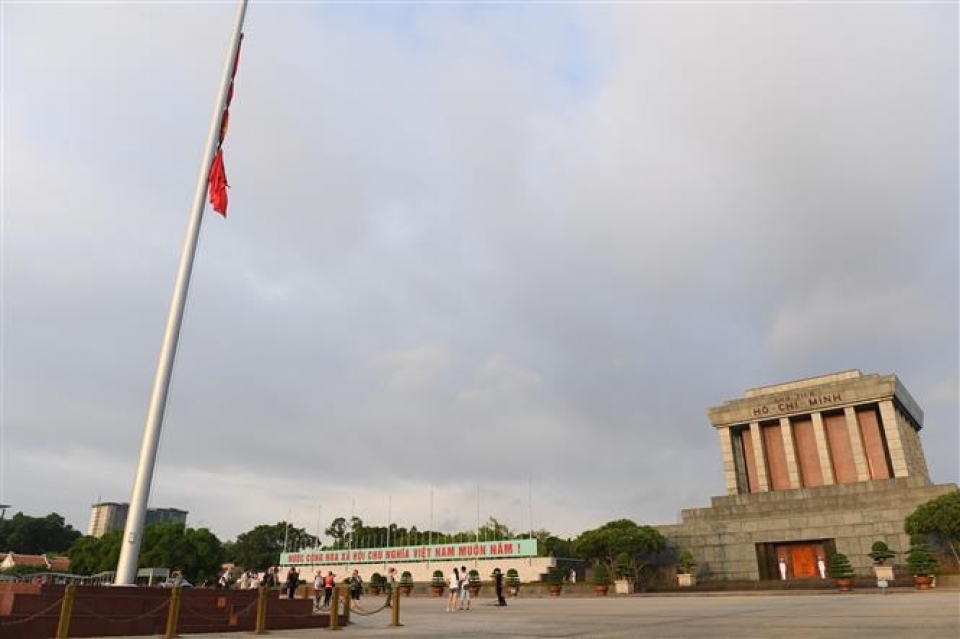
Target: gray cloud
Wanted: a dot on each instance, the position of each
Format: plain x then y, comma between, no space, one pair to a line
510,247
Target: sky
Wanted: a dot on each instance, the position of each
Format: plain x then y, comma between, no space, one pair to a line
480,259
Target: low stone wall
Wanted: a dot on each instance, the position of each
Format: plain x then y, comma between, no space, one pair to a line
528,568
32,611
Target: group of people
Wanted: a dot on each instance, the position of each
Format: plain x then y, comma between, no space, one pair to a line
459,583
323,588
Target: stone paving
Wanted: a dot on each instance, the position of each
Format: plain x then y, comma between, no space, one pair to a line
826,615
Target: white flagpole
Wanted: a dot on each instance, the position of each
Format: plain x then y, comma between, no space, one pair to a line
133,533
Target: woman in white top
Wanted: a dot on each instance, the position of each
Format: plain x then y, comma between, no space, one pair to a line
454,581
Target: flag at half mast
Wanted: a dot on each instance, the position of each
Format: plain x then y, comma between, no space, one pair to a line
217,180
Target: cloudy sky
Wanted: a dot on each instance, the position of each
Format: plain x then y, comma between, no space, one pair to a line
516,246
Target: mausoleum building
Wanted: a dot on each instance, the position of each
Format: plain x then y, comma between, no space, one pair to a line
811,467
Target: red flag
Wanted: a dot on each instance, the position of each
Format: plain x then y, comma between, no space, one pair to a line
217,185
217,179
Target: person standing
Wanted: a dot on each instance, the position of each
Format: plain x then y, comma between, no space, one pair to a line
821,567
783,569
464,588
356,585
293,580
498,586
389,584
454,582
328,583
318,590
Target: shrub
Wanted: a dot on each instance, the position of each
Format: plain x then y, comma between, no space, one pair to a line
406,579
686,562
473,578
840,567
601,574
919,558
513,578
437,581
880,552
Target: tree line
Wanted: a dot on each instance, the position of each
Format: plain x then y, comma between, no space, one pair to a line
627,549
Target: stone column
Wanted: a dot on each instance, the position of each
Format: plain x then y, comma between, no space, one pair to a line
888,417
726,457
856,444
786,433
823,450
760,457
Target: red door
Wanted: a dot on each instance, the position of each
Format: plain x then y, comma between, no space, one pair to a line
803,561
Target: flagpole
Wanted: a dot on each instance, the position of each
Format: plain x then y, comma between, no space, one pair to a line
136,515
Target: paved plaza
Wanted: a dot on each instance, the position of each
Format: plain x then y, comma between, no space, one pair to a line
867,614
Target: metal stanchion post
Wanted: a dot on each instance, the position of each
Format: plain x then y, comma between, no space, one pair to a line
173,613
261,625
395,607
335,609
63,627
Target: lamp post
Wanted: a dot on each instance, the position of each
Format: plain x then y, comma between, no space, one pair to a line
3,510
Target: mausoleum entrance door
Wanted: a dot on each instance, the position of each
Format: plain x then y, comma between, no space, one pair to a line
803,560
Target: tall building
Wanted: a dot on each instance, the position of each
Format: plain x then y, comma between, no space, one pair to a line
108,515
812,467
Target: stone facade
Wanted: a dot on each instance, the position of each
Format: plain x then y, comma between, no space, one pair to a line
812,467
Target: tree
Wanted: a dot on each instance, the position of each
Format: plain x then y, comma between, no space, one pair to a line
939,517
260,548
90,555
195,551
36,535
623,546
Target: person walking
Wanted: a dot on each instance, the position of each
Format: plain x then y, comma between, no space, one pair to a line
454,582
389,584
356,585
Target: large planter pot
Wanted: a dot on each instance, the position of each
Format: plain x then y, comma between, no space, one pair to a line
474,591
436,591
623,586
406,590
514,591
375,590
686,580
601,590
555,589
843,585
922,582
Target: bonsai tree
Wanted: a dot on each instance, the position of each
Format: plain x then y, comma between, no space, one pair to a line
919,559
376,583
880,552
406,582
437,583
513,581
473,582
601,574
554,579
686,563
939,517
840,567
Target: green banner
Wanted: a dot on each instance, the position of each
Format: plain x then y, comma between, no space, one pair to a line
436,552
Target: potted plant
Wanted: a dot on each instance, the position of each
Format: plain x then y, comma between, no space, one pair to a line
555,576
513,581
406,583
437,583
879,553
623,582
601,579
685,567
841,572
920,560
473,583
376,583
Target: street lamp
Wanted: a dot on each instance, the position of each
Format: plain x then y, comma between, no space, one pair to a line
3,510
